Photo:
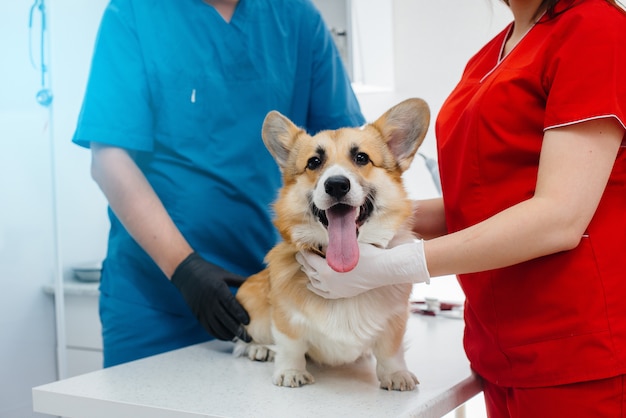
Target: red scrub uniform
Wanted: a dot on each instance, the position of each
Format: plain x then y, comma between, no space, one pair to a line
557,319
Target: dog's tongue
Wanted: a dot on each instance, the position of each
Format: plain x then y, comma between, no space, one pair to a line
342,253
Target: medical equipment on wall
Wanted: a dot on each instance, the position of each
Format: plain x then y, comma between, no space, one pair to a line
433,169
44,95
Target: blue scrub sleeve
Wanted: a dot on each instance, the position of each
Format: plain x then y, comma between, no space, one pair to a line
116,109
333,103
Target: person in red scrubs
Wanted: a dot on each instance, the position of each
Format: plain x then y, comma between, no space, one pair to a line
532,156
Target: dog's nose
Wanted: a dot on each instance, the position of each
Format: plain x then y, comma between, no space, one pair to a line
337,186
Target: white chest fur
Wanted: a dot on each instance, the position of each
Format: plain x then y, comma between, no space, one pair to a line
342,330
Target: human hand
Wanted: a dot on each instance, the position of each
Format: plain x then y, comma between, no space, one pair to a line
404,263
204,288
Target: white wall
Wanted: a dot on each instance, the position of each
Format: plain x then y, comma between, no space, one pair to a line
26,315
432,41
82,207
29,135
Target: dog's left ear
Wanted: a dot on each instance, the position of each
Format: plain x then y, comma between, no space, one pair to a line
404,127
278,135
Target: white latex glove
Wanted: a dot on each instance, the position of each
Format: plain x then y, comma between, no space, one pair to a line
377,267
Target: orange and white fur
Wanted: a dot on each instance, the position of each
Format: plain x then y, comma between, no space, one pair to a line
338,187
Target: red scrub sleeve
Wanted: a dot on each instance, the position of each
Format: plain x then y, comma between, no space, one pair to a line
587,77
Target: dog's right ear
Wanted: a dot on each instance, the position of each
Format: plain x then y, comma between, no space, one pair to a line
404,127
279,134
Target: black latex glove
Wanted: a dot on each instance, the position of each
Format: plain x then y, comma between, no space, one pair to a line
204,287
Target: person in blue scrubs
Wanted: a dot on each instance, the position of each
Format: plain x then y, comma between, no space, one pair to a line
173,110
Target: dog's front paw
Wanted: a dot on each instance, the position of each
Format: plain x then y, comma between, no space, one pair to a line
402,380
292,378
253,351
258,352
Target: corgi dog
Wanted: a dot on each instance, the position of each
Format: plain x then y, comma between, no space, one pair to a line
340,187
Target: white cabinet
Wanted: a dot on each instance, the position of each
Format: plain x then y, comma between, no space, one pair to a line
83,333
82,327
81,361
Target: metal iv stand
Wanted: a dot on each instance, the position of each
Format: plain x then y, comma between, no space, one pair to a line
45,97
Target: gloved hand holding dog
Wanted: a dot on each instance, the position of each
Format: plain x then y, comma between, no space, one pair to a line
404,263
205,289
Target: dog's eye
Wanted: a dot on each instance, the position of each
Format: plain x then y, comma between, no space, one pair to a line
361,158
313,163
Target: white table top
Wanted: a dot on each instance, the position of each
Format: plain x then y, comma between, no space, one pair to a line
206,380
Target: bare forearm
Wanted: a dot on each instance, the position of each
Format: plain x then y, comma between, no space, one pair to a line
135,203
520,233
515,235
429,219
574,168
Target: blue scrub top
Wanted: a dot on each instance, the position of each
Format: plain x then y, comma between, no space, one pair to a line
186,93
